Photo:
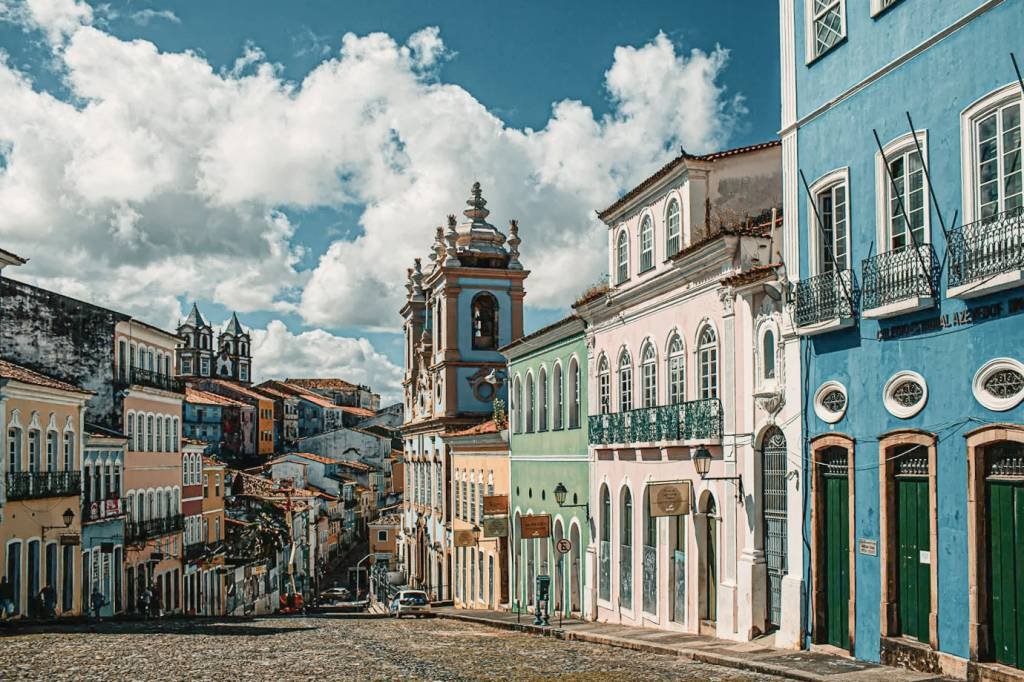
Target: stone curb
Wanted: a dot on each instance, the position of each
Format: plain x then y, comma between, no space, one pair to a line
725,661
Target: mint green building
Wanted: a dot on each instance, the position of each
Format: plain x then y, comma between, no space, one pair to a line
548,452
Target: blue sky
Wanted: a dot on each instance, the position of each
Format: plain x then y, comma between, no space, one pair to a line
516,60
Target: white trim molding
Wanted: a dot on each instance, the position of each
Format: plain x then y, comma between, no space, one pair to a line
897,409
986,372
824,414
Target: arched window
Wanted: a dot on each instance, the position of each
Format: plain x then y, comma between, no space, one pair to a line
574,394
604,550
646,244
140,432
14,449
650,556
159,434
676,371
604,386
149,433
130,431
69,450
169,440
649,376
517,405
626,550
530,399
625,382
51,450
557,403
34,444
542,390
622,258
768,355
485,322
174,435
707,355
673,233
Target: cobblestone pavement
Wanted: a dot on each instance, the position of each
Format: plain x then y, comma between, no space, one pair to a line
326,648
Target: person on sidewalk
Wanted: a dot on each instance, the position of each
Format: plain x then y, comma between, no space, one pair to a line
6,600
97,601
154,603
144,598
48,599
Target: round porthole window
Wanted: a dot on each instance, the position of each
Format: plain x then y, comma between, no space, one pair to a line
999,384
905,394
830,402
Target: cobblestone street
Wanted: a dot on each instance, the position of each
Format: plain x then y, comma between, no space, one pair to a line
326,648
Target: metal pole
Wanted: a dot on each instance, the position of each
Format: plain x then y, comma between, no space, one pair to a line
1016,68
927,175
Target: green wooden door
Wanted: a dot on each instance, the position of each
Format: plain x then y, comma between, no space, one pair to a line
1006,553
913,569
837,559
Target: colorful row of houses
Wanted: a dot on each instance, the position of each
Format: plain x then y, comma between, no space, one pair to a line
743,432
142,466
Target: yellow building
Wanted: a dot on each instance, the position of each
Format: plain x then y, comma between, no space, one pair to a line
40,519
480,469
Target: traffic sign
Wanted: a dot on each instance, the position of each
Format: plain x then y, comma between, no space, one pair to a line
563,546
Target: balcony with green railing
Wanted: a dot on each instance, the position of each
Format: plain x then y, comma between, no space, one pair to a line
690,420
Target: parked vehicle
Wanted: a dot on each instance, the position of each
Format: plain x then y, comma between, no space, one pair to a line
411,603
336,594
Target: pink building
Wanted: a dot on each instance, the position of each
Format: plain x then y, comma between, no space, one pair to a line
682,342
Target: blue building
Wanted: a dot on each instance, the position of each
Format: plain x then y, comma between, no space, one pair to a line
907,257
103,544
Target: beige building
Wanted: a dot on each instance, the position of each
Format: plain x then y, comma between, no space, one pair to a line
40,519
153,477
480,469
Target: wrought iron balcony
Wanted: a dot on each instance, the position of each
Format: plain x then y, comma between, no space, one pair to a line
825,297
138,531
33,485
195,550
145,377
986,248
902,275
101,510
691,420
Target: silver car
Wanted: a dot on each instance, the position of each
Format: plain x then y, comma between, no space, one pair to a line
410,603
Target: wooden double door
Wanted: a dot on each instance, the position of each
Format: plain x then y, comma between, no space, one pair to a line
1005,496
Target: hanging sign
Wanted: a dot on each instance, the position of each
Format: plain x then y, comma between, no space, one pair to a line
537,526
495,526
670,499
495,504
464,538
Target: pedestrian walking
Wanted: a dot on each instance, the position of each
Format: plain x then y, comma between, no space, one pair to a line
6,599
48,600
98,601
154,603
144,597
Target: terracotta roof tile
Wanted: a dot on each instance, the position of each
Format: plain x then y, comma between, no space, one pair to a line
750,276
313,457
326,383
674,163
9,370
198,397
488,426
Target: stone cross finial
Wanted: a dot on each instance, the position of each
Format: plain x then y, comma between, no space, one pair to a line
513,245
451,256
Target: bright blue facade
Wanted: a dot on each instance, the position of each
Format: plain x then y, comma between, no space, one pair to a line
936,60
203,422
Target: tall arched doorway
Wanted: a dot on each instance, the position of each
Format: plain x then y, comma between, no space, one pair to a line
575,605
709,611
773,496
517,559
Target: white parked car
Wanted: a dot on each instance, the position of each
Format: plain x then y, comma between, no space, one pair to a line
410,603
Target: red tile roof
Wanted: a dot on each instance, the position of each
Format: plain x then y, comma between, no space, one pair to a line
198,397
325,384
488,426
359,411
675,163
312,457
242,390
358,466
9,370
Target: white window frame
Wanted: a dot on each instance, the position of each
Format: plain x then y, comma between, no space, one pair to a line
649,375
702,371
645,239
604,385
896,409
990,401
901,146
669,251
879,6
816,255
670,358
969,118
823,413
622,256
810,36
558,397
624,365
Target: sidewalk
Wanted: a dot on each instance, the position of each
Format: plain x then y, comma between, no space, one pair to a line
752,656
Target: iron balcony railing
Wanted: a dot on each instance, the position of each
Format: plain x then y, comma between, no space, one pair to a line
31,485
195,550
135,531
101,510
898,275
146,377
986,248
691,420
824,297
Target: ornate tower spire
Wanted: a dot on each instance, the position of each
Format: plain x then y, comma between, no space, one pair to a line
437,252
417,281
478,235
513,245
452,237
408,282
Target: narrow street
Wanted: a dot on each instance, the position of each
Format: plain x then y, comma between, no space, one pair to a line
326,648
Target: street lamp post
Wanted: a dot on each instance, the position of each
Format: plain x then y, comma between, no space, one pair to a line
702,463
68,516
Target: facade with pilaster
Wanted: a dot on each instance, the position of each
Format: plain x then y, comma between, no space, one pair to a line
677,395
461,308
901,129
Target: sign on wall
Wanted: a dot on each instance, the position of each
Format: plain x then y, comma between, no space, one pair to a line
537,526
496,504
670,499
495,526
464,538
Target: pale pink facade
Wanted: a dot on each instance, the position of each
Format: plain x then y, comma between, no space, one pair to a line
672,371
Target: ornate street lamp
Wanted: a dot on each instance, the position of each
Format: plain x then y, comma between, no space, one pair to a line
476,534
68,516
701,459
561,491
